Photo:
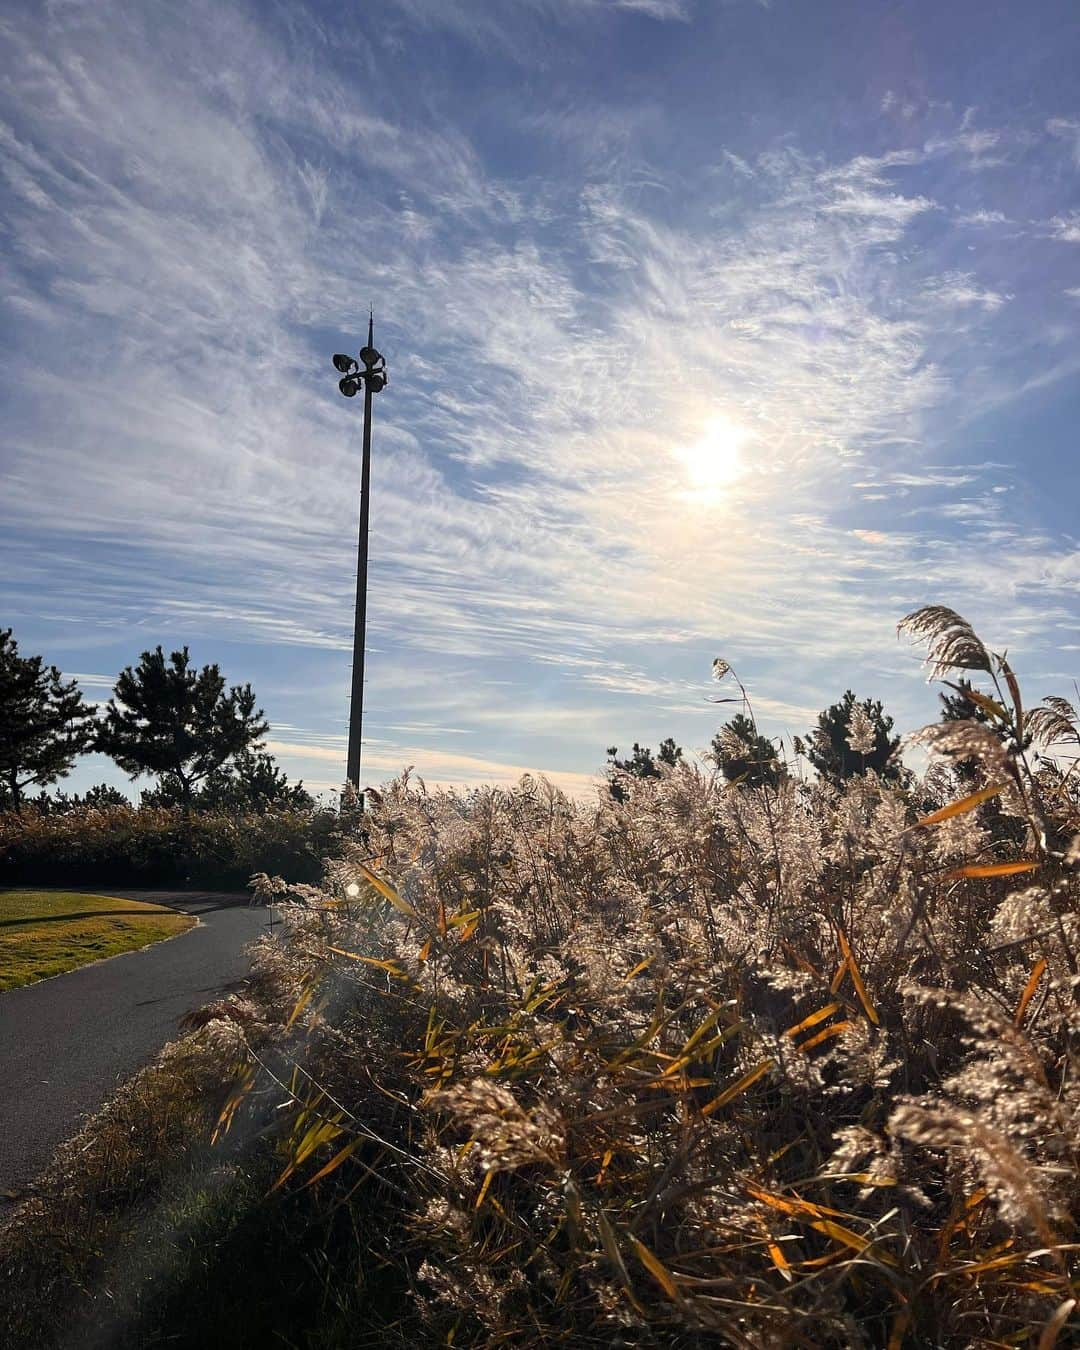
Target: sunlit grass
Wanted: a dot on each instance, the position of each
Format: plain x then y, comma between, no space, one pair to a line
45,933
704,1063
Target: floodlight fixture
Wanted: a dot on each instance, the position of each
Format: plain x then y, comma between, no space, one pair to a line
345,364
349,387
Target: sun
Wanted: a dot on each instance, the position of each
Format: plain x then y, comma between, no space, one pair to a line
714,461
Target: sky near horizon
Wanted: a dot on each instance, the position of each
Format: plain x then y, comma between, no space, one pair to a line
714,328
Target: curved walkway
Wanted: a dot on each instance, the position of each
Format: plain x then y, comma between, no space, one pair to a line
66,1043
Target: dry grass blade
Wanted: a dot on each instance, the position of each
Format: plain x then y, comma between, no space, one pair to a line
780,1261
656,1269
857,980
989,705
738,1088
827,1034
958,808
244,1083
614,1255
1014,692
387,892
845,1236
335,1162
813,1019
489,1177
301,1003
1005,869
1029,989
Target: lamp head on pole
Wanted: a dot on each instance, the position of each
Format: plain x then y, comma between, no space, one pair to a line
369,372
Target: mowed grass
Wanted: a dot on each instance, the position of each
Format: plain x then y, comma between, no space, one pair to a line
45,933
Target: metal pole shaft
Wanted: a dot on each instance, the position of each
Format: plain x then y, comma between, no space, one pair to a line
356,706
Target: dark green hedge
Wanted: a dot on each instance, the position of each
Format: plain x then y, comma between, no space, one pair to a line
149,846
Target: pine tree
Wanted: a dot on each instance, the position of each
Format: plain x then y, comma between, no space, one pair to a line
852,737
252,781
44,722
180,724
641,763
743,754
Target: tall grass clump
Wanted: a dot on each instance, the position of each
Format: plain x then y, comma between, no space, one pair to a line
703,1064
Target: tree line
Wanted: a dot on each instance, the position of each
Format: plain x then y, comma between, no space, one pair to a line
200,739
850,737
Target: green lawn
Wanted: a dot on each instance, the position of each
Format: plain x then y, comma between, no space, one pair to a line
45,933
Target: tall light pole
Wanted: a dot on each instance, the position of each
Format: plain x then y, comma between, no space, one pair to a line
370,372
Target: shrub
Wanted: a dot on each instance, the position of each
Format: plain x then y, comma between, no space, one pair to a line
150,846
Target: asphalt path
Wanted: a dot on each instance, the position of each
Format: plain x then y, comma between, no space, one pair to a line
66,1043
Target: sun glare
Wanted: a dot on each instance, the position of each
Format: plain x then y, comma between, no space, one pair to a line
714,461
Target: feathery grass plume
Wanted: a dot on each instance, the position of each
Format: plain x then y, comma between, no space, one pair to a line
1054,722
966,741
953,643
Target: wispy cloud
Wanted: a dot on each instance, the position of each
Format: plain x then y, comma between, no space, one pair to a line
202,209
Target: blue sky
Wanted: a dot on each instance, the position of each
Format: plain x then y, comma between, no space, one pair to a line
714,328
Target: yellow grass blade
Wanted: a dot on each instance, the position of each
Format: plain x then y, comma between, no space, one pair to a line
793,1205
301,1004
322,1132
958,808
983,701
860,988
641,965
693,1049
836,1030
388,892
839,1233
391,967
245,1082
780,1261
1002,1262
813,1019
656,1269
336,1161
838,979
736,1089
424,952
1006,869
1029,990
488,1177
